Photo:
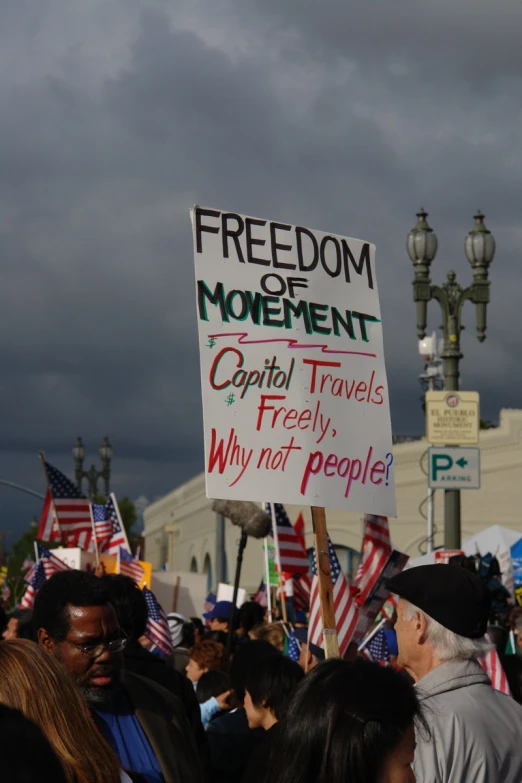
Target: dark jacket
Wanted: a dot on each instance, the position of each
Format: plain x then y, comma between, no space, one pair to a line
163,719
258,764
140,661
231,743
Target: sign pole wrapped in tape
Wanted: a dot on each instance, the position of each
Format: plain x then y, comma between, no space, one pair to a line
295,397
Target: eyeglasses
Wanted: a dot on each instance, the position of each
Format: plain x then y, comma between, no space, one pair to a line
95,650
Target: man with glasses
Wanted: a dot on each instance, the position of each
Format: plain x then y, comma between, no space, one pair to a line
145,724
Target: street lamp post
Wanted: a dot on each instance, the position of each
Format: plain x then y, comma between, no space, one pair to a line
479,246
92,475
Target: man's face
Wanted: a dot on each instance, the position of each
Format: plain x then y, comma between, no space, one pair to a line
89,625
194,670
11,631
218,625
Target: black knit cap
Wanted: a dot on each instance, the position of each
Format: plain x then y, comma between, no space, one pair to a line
453,596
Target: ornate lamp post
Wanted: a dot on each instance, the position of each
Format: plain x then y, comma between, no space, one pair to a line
479,246
92,475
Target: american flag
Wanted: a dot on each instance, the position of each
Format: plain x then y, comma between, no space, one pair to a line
28,562
48,529
260,597
129,566
376,549
102,524
72,509
493,668
52,563
292,551
293,651
302,588
38,577
157,629
119,538
377,648
345,607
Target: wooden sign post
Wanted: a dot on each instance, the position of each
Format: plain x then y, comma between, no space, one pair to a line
324,575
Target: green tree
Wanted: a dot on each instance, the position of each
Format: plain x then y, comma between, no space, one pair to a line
129,518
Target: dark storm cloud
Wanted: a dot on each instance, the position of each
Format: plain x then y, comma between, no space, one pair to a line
117,118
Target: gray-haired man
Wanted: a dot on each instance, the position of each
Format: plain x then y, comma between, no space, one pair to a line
475,730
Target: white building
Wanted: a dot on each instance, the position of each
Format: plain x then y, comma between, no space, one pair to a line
180,528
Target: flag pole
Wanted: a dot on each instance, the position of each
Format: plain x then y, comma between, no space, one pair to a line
267,580
44,466
275,534
324,576
96,550
36,553
117,512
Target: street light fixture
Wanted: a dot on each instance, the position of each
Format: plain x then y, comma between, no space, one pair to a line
479,246
92,475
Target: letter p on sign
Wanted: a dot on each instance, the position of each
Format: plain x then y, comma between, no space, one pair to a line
440,463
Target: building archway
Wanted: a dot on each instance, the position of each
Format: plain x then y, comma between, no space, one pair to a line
193,566
207,569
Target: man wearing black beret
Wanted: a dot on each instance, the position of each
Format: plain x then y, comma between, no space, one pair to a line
476,731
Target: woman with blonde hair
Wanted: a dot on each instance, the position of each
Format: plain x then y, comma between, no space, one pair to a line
274,633
34,683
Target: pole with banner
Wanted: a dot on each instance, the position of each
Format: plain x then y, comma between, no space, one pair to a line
295,396
41,456
280,577
94,538
324,575
267,581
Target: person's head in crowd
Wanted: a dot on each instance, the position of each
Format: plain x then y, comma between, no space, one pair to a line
274,633
268,689
74,621
220,616
19,625
310,654
129,604
441,616
18,733
348,722
199,629
189,635
204,657
212,684
34,683
246,660
216,636
276,613
249,615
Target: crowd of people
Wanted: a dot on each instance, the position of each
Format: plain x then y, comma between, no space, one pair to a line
86,698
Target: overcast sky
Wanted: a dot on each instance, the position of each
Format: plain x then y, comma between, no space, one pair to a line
118,115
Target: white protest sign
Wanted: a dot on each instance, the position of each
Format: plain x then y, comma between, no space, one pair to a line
295,398
226,593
